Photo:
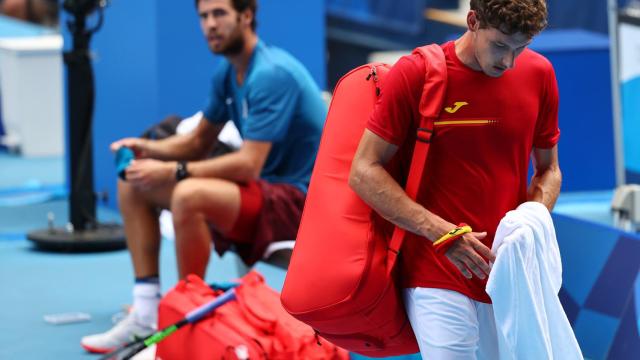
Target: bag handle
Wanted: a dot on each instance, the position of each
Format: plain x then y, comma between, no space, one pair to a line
430,104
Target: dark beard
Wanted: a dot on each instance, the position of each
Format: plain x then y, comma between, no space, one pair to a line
235,46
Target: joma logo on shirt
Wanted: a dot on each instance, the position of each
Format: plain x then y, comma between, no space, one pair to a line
456,106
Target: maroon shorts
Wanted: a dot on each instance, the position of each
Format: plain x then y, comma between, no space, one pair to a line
268,212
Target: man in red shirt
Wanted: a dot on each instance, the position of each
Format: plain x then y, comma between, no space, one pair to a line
495,115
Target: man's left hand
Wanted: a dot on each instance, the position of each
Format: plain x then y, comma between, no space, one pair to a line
471,256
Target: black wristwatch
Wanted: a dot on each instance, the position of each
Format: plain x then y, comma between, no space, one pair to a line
181,170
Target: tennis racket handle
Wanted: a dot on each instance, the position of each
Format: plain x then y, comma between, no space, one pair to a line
204,309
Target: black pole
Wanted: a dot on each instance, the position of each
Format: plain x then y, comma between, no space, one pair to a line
82,199
84,233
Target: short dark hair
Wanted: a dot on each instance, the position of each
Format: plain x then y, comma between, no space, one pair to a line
242,5
528,17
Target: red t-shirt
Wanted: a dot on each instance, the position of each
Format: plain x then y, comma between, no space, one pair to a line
479,156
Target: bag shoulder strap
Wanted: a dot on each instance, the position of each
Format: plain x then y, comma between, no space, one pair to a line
430,105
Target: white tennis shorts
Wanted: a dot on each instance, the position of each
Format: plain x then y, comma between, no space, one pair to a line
451,326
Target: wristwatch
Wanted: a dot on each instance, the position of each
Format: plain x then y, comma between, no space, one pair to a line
181,170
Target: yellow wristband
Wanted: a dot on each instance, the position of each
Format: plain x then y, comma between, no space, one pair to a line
457,232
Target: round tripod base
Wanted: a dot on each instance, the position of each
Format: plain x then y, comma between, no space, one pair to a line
105,237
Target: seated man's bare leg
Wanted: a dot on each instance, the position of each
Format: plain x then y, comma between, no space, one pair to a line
195,203
140,215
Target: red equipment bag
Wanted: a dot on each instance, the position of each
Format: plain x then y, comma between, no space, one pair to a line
254,326
341,277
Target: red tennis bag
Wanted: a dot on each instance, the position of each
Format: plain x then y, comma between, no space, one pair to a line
254,326
341,279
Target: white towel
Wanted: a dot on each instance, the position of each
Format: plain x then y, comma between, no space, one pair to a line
524,285
228,135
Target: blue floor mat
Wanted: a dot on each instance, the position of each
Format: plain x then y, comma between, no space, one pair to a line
27,181
592,206
36,283
19,171
19,220
28,196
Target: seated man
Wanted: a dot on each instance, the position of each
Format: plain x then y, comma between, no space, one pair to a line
249,197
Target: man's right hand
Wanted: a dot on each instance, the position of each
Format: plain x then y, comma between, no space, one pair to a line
469,253
137,145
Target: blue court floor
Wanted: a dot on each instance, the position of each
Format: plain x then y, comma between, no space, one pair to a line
36,283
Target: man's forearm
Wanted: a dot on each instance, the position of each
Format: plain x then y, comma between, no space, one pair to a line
378,189
545,186
177,147
234,166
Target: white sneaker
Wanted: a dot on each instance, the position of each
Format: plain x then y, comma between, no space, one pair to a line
126,330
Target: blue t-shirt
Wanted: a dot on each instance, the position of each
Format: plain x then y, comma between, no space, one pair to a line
278,102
